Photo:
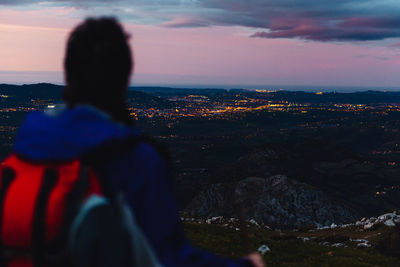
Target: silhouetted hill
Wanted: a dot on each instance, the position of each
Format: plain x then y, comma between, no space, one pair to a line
28,91
170,90
365,97
143,100
23,94
46,90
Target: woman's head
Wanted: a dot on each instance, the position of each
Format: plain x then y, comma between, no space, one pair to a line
98,64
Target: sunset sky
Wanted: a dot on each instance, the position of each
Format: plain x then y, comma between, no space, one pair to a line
216,42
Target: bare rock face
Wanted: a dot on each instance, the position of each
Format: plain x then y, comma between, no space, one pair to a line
276,201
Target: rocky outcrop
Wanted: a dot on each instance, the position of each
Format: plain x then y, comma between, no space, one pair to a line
276,201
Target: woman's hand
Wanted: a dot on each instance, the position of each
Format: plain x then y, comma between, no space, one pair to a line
256,259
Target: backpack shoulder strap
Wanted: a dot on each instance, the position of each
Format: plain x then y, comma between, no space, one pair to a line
143,253
6,178
50,178
124,245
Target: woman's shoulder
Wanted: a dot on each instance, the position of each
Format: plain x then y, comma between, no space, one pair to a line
144,154
153,148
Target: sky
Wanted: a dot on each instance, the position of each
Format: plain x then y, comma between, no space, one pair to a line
240,43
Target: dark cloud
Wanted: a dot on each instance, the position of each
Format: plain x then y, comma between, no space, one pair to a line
186,23
382,58
12,2
371,22
330,32
395,45
360,56
334,20
83,2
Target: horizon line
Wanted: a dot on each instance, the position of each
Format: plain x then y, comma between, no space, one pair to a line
289,88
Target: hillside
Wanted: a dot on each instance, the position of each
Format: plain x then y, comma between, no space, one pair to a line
276,201
321,180
346,245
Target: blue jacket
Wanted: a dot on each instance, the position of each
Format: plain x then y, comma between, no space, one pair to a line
140,174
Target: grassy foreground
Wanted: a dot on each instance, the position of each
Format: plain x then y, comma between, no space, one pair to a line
289,249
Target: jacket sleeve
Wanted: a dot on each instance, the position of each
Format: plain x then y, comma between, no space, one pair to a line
144,178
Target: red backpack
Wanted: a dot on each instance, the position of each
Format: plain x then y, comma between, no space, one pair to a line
38,203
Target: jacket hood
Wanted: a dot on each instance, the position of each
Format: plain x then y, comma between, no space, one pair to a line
63,134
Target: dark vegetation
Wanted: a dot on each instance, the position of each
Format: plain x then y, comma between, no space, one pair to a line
289,249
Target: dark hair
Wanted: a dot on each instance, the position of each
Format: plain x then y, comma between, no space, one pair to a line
98,64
